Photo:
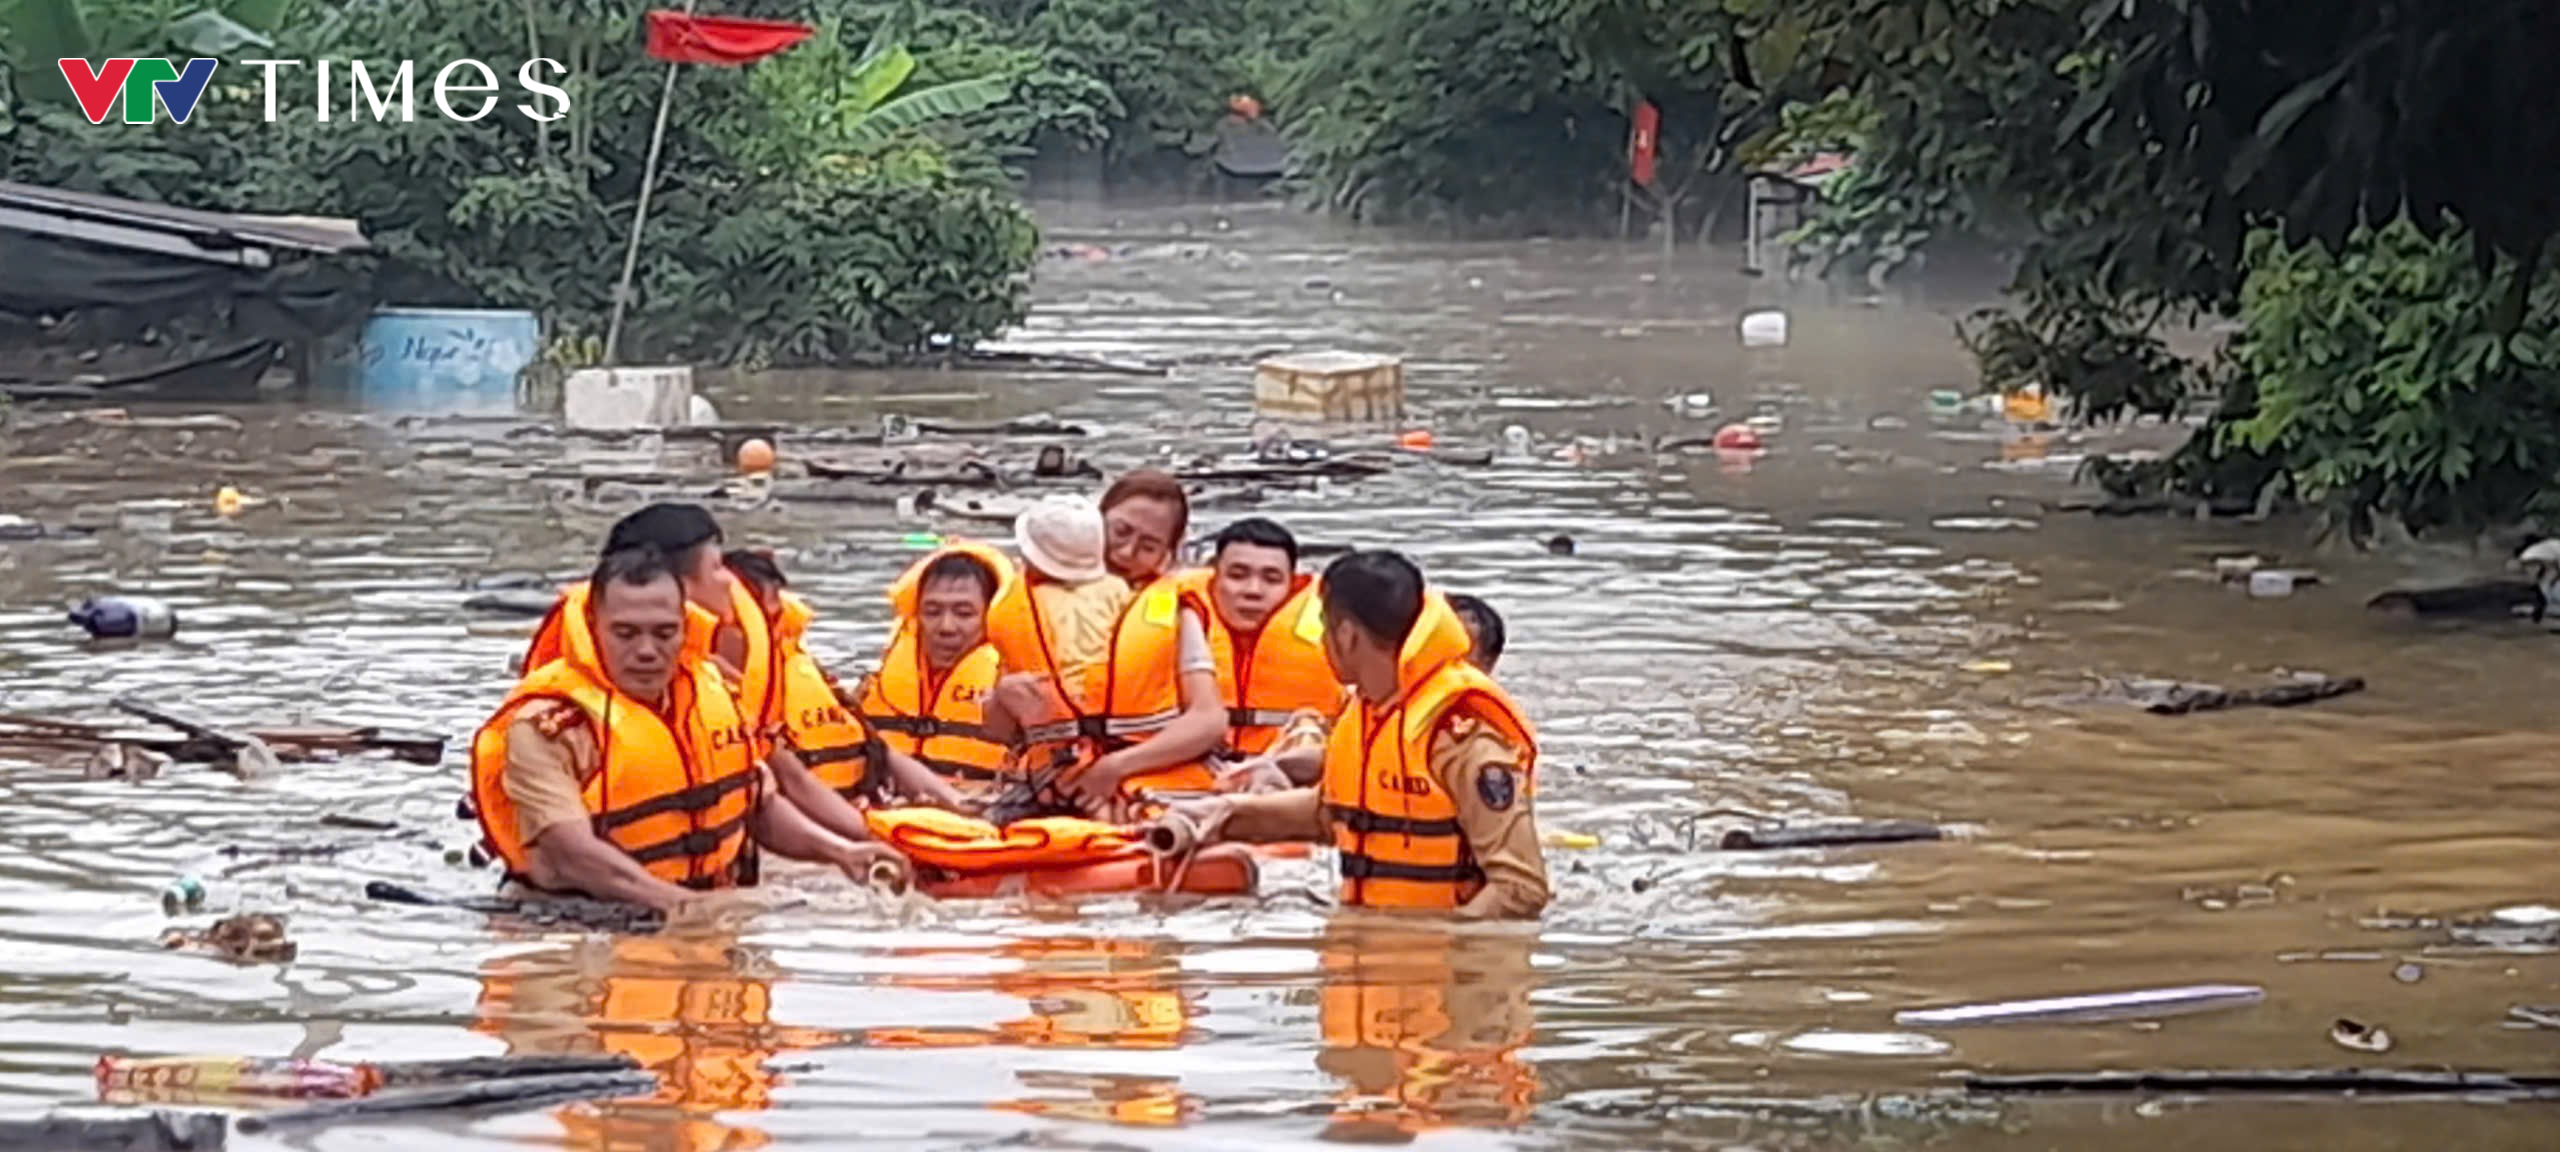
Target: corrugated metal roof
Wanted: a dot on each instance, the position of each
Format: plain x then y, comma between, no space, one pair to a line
215,232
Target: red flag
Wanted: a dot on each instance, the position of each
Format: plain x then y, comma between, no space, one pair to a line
1640,146
681,39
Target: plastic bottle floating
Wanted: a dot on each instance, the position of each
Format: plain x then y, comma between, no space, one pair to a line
126,617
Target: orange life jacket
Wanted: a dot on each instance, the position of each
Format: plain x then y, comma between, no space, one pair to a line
1124,702
758,699
1395,824
946,732
1283,675
674,796
822,731
966,845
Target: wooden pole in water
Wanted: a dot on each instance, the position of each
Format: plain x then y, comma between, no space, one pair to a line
640,213
639,217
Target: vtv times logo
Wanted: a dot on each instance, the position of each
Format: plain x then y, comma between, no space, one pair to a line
143,86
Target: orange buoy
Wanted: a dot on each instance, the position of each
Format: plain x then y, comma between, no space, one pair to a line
755,456
1737,438
1418,440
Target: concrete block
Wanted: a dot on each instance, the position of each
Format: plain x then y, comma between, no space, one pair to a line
609,399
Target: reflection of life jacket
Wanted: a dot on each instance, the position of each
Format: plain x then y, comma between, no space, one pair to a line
695,1011
757,700
674,797
966,845
939,721
822,731
1422,1043
1126,701
1394,822
1284,673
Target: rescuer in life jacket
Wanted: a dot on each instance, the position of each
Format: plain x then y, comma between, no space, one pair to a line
1485,634
1264,626
1116,704
1428,780
625,770
740,643
928,697
1297,758
824,757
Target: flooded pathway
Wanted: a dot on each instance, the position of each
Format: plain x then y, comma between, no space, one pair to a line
1881,618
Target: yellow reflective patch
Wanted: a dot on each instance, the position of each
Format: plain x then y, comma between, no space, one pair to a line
1161,605
1311,621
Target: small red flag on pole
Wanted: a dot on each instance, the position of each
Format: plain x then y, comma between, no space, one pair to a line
1640,144
681,38
684,38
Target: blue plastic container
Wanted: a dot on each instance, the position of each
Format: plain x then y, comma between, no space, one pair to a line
445,360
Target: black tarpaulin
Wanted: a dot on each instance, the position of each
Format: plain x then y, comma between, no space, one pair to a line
52,276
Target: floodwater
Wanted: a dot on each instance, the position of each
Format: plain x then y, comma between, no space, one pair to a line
1880,618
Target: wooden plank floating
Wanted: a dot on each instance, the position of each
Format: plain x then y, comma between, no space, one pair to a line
2347,1081
1341,387
2143,1004
1828,835
147,1132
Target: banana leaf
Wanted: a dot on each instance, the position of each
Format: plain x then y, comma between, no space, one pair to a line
210,33
940,102
41,32
878,77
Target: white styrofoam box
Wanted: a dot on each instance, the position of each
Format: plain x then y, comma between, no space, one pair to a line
604,399
1764,329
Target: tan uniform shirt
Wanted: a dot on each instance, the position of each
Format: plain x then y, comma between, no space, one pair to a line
1504,840
552,754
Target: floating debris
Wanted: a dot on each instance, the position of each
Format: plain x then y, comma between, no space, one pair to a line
2098,1006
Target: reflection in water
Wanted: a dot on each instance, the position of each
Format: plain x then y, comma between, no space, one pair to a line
1082,993
696,1011
1424,1024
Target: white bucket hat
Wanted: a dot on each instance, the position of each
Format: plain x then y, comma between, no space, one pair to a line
1062,536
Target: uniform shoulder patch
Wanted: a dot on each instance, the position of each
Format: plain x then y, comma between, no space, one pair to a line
1498,788
554,719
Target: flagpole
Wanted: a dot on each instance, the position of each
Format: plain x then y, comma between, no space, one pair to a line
640,213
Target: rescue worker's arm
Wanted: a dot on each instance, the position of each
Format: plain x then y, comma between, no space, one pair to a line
814,799
1294,816
1294,760
1484,775
545,749
1192,735
782,827
1018,699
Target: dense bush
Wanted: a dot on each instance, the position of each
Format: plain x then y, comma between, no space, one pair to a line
842,202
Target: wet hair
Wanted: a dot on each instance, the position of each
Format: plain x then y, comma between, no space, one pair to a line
757,567
959,566
1151,484
635,567
1259,531
1487,624
1381,591
675,530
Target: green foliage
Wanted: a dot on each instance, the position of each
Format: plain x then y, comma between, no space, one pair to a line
2389,386
825,206
1512,110
1157,74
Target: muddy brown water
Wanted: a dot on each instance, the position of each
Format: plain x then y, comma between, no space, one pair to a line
1879,618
